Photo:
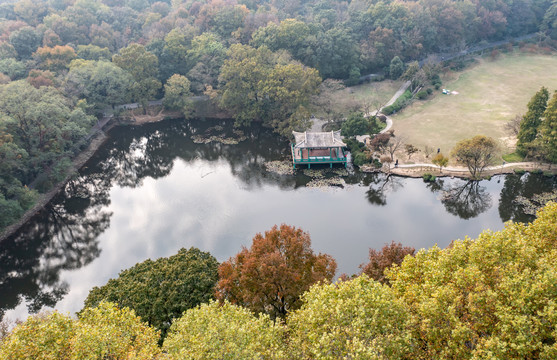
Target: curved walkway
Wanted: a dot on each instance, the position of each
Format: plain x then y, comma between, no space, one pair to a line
461,171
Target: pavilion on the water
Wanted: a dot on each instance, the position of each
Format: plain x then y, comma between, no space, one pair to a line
318,148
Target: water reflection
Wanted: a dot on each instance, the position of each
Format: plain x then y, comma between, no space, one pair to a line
61,237
522,185
467,199
380,186
151,190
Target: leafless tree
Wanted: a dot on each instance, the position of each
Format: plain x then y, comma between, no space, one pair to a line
513,125
395,143
428,150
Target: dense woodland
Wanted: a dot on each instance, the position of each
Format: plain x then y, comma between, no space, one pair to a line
63,61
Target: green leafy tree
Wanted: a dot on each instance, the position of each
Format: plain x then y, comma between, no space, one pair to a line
41,122
290,34
224,331
177,94
13,68
440,160
396,68
93,52
529,126
548,130
261,85
270,276
25,41
476,153
356,319
101,83
143,67
7,50
336,53
173,56
162,290
357,124
205,58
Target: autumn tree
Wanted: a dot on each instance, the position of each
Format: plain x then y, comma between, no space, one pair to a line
440,160
54,58
271,275
104,332
531,121
476,153
224,331
410,150
143,67
391,254
161,290
379,142
356,319
42,336
463,299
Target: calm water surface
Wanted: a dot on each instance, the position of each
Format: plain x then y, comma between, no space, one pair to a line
151,190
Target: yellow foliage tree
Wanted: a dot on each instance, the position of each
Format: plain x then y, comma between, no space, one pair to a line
228,332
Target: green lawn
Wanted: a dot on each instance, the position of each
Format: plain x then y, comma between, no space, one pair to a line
490,94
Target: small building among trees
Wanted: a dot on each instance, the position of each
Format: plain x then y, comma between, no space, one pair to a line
318,148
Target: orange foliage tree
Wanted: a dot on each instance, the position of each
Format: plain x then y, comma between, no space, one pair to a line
270,276
55,58
390,254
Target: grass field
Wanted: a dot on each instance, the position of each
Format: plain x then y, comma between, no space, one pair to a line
490,93
358,96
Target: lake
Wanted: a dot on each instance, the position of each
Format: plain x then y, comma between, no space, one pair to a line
151,190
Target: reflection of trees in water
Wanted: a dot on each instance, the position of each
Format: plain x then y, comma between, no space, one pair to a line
380,185
64,235
61,237
150,151
526,185
466,199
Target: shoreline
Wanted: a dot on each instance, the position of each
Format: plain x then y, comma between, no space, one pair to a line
417,171
98,138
